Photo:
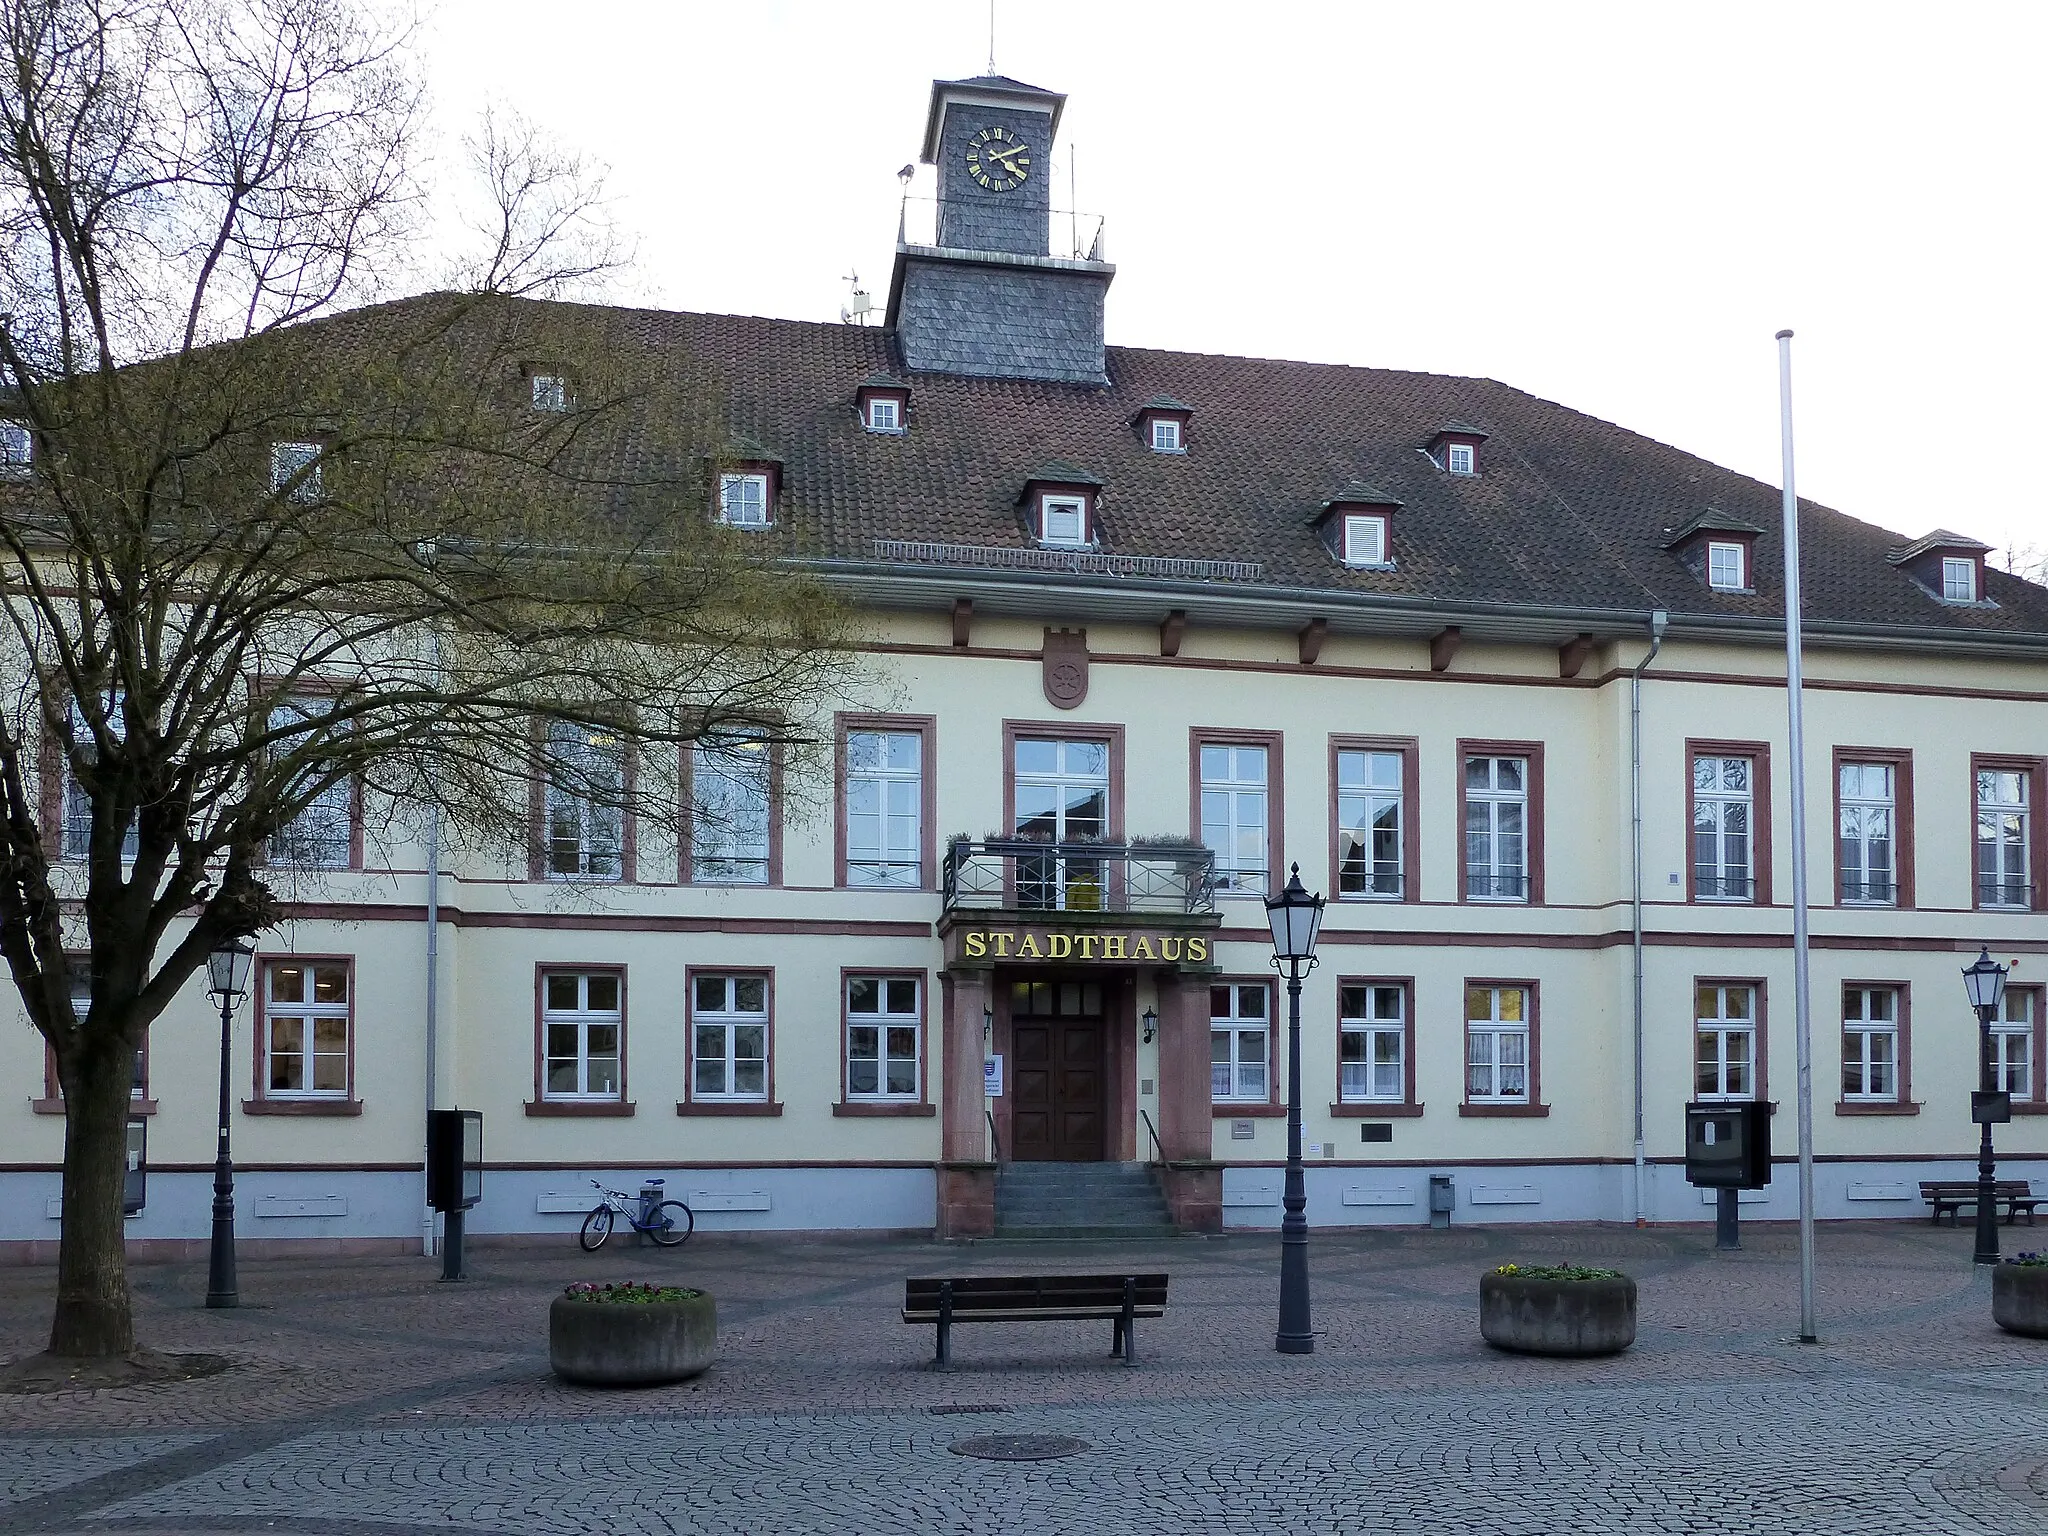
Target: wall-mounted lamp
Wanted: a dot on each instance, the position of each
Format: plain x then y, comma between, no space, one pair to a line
1151,1025
988,1024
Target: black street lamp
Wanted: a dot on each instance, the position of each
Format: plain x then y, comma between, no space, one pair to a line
1984,980
1296,918
227,972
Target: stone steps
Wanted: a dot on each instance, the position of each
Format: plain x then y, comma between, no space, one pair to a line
1070,1202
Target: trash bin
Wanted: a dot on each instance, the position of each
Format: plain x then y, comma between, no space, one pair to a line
1443,1199
651,1196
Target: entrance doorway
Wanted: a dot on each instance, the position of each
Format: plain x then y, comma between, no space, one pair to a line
1057,1036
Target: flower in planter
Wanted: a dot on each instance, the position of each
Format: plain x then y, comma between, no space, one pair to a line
630,1291
2029,1260
1557,1272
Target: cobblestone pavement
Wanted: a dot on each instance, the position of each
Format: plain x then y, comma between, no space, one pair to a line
365,1397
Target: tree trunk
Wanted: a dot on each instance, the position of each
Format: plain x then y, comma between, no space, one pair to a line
93,1317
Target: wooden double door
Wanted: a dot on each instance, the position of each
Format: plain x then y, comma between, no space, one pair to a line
1058,1105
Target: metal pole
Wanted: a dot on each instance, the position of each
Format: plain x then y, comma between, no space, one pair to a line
1294,1337
220,1266
1802,1003
1658,620
1727,1221
1987,1172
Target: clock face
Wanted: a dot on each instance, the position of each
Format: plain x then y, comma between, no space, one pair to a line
997,160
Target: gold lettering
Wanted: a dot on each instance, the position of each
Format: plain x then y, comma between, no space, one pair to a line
1002,943
1142,950
1027,948
1169,948
1112,946
1088,941
1198,949
976,945
1058,946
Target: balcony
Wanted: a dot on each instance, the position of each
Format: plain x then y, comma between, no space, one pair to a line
1020,875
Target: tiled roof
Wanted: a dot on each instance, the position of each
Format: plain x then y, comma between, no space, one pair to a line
1941,538
1568,510
1712,520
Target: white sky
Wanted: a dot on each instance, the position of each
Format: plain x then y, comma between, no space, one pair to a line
1611,205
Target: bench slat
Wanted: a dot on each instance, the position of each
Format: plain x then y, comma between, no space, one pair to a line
1033,1314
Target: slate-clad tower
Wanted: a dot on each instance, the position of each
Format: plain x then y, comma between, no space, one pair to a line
990,299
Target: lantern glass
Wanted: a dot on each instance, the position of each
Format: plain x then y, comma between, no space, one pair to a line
1984,980
227,970
1296,918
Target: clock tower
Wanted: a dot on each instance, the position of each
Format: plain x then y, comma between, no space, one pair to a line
989,298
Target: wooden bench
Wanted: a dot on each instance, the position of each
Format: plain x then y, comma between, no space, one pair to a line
1951,1195
1118,1299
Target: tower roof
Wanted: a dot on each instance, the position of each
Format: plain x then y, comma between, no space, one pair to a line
985,91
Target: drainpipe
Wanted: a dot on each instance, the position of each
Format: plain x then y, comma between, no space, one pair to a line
1658,620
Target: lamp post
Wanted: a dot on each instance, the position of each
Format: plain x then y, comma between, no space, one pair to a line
227,972
1295,917
1984,980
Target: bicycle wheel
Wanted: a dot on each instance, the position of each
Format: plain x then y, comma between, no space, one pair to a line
673,1223
597,1226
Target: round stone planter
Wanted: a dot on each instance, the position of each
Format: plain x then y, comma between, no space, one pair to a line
1557,1317
2019,1299
631,1344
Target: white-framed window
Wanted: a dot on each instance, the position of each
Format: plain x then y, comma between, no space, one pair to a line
1870,1044
885,808
1724,1036
743,500
17,448
77,830
729,1037
1723,806
1866,864
1165,435
585,803
1365,539
1061,790
322,836
1497,1045
1372,1024
1958,580
78,972
583,1033
306,1011
1727,565
1063,520
1369,831
1459,459
295,470
884,1037
2004,878
885,414
1240,1042
731,809
1496,828
2011,1044
550,392
1234,816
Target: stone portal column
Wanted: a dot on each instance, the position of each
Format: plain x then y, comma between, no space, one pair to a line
1193,1179
967,1179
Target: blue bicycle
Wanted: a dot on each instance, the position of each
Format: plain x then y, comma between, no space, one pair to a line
668,1223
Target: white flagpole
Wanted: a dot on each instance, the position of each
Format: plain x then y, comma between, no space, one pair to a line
1802,1002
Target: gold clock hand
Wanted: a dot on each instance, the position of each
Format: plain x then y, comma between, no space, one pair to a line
1005,155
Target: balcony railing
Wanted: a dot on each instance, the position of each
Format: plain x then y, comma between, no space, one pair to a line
1021,875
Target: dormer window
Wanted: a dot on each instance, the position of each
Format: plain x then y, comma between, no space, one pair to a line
1958,580
1727,565
1165,435
884,414
17,449
883,403
1365,539
743,500
1455,448
550,392
295,471
1063,520
1459,459
1162,424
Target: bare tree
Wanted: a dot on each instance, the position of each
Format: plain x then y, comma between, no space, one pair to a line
258,544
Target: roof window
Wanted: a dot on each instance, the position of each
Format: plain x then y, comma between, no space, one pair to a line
295,471
1719,549
743,500
1455,448
1727,565
883,403
1949,567
1165,435
1357,526
17,448
1460,459
1063,520
1958,580
550,392
1162,424
1365,539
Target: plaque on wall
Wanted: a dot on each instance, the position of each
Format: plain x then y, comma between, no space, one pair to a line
1064,664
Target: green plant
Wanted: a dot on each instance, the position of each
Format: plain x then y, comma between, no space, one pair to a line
2029,1260
1558,1272
631,1291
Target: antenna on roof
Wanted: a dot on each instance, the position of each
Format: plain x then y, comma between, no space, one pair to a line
991,36
859,309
